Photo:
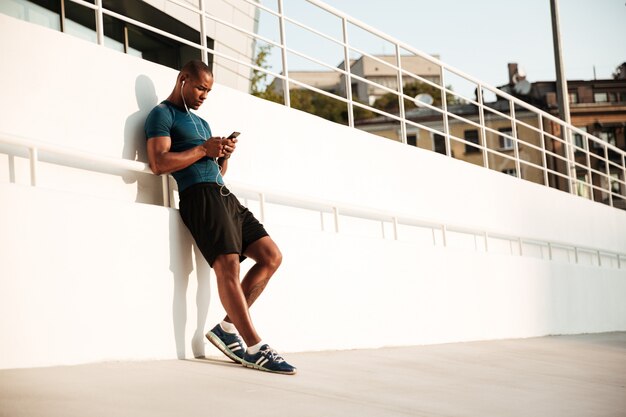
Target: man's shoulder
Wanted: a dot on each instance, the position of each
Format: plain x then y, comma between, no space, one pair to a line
161,108
162,112
159,120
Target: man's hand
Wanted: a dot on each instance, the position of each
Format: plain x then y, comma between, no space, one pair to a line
229,146
214,147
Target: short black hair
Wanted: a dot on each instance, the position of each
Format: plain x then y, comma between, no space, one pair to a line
195,67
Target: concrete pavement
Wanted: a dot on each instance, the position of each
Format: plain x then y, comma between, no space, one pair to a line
583,375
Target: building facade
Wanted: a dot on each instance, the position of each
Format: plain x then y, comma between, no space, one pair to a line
80,21
596,106
376,70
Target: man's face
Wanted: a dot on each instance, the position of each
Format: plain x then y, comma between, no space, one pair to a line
195,90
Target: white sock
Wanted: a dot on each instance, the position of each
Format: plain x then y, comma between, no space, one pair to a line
255,348
228,327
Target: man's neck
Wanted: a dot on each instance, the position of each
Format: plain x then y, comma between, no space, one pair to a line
176,99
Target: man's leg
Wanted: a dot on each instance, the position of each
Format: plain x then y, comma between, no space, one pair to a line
267,258
233,300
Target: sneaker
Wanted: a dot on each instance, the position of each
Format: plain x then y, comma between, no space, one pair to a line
229,343
267,359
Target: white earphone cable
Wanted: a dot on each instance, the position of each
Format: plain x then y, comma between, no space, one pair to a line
206,133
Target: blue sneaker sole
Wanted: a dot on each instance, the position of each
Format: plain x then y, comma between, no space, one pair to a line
217,342
260,368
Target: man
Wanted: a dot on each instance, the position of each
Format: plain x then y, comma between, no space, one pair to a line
180,142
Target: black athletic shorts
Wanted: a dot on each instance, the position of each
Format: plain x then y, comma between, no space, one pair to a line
220,225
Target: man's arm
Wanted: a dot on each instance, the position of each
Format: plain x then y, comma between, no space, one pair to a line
162,161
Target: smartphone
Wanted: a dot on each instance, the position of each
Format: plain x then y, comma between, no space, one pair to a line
233,135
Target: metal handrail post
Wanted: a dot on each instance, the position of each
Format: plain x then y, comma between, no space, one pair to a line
486,241
544,156
165,187
283,43
481,120
33,165
571,158
99,23
518,166
444,107
203,51
395,228
401,96
589,169
336,218
608,175
622,187
346,68
262,207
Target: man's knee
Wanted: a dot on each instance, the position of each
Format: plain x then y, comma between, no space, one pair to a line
226,266
265,253
273,258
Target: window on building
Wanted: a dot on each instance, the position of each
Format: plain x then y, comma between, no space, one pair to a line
510,171
615,184
582,188
47,14
472,137
506,143
411,139
579,141
80,21
608,135
600,97
573,98
439,144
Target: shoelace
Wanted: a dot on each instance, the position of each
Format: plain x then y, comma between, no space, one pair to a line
272,355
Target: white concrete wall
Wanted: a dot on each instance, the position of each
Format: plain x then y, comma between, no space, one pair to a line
87,273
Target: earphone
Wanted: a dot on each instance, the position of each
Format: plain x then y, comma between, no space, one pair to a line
219,168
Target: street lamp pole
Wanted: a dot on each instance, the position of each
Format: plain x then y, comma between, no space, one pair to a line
561,81
561,92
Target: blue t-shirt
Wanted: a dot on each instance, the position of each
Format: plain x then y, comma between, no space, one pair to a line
186,131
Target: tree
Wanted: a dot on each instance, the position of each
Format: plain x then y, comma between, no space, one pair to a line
301,98
258,82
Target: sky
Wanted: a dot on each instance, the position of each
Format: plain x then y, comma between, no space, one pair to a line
480,37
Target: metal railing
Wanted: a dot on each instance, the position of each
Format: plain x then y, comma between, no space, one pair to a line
561,155
441,232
